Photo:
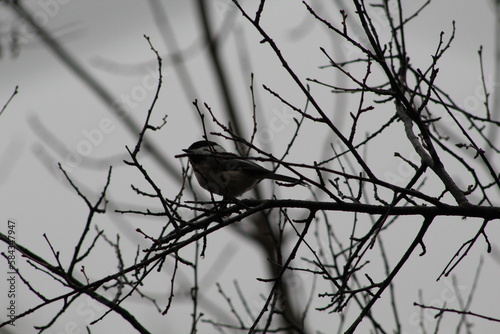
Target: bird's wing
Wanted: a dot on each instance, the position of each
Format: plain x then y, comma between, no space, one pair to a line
232,162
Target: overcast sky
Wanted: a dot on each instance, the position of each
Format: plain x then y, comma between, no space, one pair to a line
106,37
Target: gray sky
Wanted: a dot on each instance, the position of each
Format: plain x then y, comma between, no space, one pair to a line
106,37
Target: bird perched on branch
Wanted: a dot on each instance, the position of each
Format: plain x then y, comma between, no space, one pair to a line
227,174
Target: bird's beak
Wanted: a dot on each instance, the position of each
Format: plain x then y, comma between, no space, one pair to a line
183,155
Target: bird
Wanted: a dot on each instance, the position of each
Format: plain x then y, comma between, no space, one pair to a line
227,174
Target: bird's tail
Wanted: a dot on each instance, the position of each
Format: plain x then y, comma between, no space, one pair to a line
284,178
